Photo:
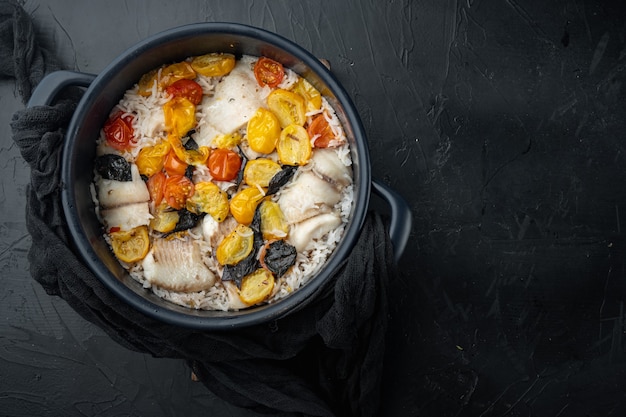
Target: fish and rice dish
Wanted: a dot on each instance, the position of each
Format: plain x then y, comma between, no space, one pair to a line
222,182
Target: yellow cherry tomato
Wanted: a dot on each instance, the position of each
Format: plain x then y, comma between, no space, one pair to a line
243,204
208,198
294,146
273,222
130,245
188,156
147,83
256,286
259,172
263,131
174,72
287,106
227,141
213,64
180,116
236,246
165,219
151,159
312,97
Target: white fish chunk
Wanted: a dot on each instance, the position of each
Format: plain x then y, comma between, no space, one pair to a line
127,217
237,97
327,164
112,193
234,301
306,196
176,265
304,234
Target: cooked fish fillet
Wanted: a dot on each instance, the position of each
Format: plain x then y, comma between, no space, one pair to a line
127,216
237,97
303,235
176,265
327,164
112,193
306,196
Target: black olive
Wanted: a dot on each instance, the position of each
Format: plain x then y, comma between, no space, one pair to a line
189,143
189,172
186,221
241,269
279,257
113,167
244,161
281,178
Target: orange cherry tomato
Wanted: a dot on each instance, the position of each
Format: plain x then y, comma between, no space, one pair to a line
268,72
224,164
173,165
178,189
188,89
119,132
319,130
156,184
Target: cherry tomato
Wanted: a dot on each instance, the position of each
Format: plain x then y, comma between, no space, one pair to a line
273,222
268,72
152,158
180,115
244,203
172,73
214,64
188,89
312,97
263,131
119,132
131,245
188,156
224,164
208,198
173,165
227,141
259,172
236,246
165,219
320,132
288,107
294,146
147,82
178,189
155,185
256,286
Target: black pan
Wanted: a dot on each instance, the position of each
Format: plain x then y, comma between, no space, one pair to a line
105,90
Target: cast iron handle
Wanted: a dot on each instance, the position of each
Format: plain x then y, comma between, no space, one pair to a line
401,219
53,83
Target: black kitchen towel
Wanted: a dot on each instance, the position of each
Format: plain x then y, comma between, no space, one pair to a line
323,360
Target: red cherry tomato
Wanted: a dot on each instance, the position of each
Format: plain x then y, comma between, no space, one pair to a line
173,165
268,72
224,164
188,89
178,189
319,127
118,131
156,184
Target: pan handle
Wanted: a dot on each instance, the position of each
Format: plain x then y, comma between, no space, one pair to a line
50,86
401,217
